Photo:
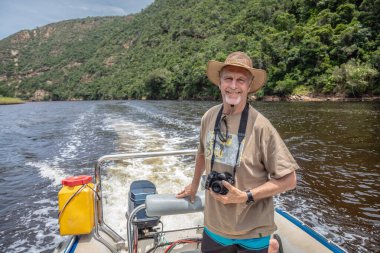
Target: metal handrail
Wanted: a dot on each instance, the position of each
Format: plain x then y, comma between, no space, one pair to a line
132,236
99,222
130,228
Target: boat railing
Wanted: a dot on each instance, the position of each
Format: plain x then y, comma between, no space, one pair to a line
100,225
163,205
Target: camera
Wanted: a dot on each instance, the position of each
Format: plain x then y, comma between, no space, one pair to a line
214,181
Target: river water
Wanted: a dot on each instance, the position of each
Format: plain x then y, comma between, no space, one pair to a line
337,146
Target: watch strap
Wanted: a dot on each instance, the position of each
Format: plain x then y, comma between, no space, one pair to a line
250,198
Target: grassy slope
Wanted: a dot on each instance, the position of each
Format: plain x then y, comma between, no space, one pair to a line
10,101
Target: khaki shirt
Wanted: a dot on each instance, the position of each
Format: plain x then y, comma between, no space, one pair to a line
263,156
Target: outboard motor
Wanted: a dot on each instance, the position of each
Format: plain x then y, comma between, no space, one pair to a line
137,194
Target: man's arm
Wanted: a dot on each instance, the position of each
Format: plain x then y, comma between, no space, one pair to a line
268,189
191,189
275,186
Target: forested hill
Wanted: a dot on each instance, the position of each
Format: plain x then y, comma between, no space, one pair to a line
307,46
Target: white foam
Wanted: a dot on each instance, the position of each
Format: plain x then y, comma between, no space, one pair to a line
49,171
43,201
16,246
70,148
161,117
116,186
169,174
40,232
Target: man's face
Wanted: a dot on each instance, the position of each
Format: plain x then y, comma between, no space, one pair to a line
234,85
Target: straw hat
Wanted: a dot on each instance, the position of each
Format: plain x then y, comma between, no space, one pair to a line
238,59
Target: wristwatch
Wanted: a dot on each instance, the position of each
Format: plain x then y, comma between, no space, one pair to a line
250,197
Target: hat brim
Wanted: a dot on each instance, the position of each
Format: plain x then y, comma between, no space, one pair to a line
214,68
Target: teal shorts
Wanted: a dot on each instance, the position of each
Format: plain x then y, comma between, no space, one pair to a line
215,243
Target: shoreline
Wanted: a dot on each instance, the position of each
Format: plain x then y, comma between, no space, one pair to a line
319,98
10,101
270,98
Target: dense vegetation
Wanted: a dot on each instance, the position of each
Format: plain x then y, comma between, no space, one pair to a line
307,46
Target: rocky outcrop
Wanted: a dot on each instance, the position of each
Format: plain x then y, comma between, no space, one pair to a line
40,95
110,61
22,36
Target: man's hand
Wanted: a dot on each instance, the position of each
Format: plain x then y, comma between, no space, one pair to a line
188,191
234,195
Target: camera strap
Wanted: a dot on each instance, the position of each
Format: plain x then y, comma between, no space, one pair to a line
241,134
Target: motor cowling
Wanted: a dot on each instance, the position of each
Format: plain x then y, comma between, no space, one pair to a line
138,192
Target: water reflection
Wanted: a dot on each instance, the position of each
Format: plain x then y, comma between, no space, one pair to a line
336,144
338,147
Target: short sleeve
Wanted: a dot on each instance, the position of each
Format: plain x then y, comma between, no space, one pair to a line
201,147
276,157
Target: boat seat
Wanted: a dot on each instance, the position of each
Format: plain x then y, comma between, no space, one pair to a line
168,204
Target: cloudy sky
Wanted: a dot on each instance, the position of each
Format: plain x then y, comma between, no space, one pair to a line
16,15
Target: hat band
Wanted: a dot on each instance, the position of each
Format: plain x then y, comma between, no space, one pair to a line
237,62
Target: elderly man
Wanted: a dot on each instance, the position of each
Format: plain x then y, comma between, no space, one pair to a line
246,163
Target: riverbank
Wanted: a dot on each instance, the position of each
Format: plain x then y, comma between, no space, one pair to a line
319,98
273,98
10,101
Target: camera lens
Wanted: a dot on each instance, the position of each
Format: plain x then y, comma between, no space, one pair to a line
217,186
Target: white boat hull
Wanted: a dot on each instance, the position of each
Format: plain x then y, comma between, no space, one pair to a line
295,236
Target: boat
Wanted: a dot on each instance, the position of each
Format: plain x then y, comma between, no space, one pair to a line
145,230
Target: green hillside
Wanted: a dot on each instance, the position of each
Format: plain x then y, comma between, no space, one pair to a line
321,47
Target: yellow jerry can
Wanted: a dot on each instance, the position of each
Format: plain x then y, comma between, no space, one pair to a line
76,205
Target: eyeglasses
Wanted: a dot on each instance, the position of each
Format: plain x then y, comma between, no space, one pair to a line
221,136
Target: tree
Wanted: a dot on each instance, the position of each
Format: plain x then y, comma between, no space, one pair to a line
156,84
353,78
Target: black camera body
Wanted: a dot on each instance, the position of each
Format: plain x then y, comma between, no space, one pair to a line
214,181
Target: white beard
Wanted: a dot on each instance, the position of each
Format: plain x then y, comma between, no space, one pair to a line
232,100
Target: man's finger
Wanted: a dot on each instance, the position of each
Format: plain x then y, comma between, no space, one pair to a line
181,194
192,199
227,185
